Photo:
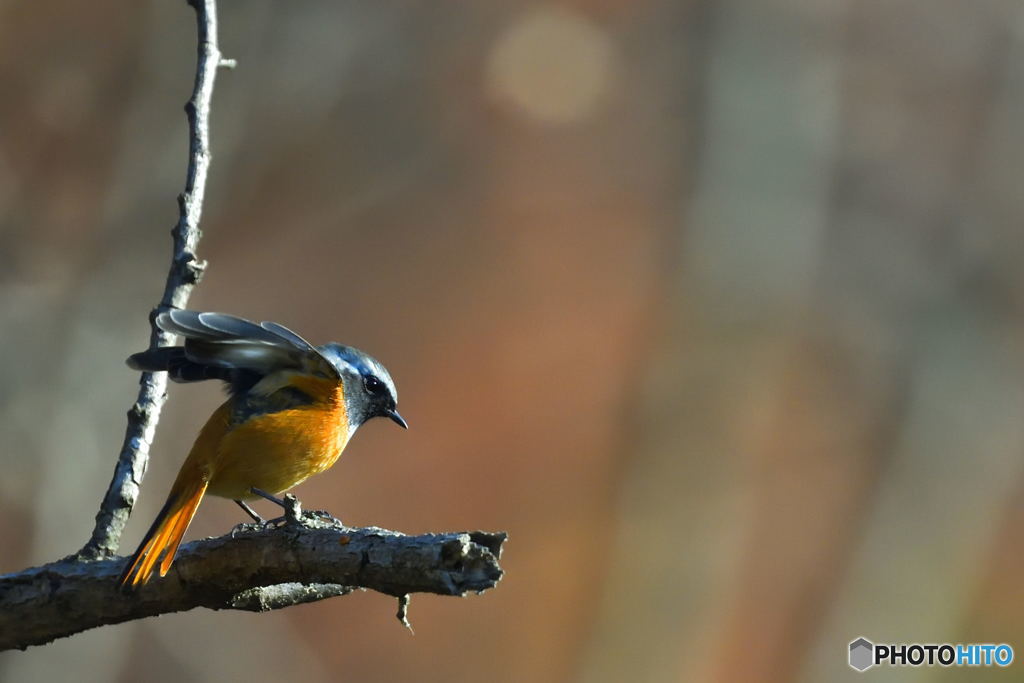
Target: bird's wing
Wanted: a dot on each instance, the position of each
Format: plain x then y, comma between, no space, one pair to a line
227,341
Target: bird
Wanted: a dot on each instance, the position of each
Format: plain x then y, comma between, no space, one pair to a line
291,409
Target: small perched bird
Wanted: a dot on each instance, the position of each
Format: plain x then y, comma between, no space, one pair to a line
291,410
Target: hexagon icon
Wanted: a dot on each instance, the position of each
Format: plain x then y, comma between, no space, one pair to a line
861,654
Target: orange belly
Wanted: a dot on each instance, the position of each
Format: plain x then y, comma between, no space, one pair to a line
271,452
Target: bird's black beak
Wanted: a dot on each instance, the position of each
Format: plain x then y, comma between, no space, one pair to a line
397,419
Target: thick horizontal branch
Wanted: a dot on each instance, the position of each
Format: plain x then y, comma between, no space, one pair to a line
253,568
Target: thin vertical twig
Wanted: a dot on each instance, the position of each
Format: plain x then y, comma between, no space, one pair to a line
258,568
185,271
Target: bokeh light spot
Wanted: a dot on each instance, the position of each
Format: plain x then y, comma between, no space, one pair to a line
552,64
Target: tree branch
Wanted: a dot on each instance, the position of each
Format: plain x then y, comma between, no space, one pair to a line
185,271
254,568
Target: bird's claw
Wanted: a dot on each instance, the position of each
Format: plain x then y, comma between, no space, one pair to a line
275,523
246,527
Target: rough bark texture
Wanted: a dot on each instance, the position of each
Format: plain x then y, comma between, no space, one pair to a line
255,568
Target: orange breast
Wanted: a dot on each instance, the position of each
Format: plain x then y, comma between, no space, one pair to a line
276,451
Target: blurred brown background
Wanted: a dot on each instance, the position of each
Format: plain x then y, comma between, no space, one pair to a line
714,306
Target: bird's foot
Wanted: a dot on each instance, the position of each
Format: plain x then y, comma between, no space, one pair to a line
275,523
247,528
293,512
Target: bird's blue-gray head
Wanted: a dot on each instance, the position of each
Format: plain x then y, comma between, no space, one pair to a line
369,390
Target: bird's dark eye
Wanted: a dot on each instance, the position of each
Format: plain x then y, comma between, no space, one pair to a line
373,385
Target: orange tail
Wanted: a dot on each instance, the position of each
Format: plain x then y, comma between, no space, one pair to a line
164,536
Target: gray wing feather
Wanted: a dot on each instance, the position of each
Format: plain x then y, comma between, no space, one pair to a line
215,327
225,340
285,333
